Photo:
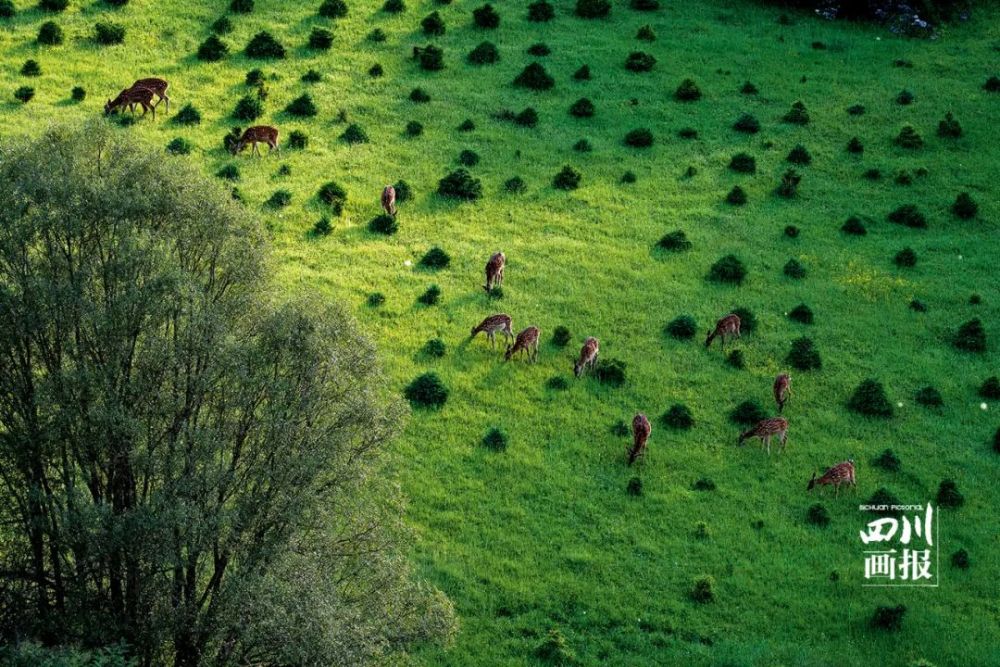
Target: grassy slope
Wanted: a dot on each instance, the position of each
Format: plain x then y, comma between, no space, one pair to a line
544,534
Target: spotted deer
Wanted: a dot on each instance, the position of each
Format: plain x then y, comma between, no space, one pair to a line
492,325
494,271
841,473
389,200
782,390
264,134
159,88
640,434
129,98
588,356
527,341
767,429
726,326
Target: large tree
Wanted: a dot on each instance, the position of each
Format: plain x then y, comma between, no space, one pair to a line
188,465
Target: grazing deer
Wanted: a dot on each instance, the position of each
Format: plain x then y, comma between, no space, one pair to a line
159,88
389,200
494,271
492,325
588,356
257,134
782,390
527,341
727,326
842,473
766,429
640,434
129,98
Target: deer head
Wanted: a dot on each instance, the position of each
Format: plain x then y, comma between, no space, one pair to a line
510,351
107,108
812,483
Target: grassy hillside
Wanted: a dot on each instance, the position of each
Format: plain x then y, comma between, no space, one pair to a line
543,534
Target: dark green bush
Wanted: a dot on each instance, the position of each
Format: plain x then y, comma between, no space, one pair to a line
749,89
320,39
583,146
486,53
888,618
430,57
990,388
639,138
682,327
737,196
394,6
801,313
748,321
435,258
799,155
887,461
431,296
426,391
687,133
929,397
593,9
908,215
403,191
376,36
703,484
486,17
541,11
637,61
817,515
905,98
433,24
743,163
909,138
736,360
298,139
31,68
515,185
354,134
644,5
789,185
333,195
375,71
949,496
248,108
495,440
557,383
561,336
188,115
526,118
78,94
179,146
855,146
873,174
971,336
965,206
230,172
687,91
333,9
414,129
949,128
918,306
797,115
678,417
628,177
222,26
460,184
53,5
312,76
791,231
582,108
302,106
794,269
383,224
905,258
539,50
254,78
582,74
375,299
646,34
747,413
854,226
567,179
7,10
703,590
264,45
960,559
50,34
884,497
634,487
728,269
747,124
675,241
466,125
610,372
419,96
803,355
241,6
534,77
322,227
280,199
869,399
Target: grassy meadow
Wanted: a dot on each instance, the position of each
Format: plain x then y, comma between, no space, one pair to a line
543,534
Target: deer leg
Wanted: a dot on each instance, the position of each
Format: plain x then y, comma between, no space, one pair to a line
767,443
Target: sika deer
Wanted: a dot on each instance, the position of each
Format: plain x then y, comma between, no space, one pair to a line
527,341
782,390
257,134
494,271
842,473
129,98
389,200
588,356
640,434
766,429
492,325
159,88
727,326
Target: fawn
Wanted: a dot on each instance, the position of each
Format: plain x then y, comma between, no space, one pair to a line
257,134
588,356
726,326
782,390
494,271
389,200
766,429
492,325
527,341
842,473
129,98
640,434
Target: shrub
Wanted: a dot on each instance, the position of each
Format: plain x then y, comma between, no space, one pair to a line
728,269
747,124
249,107
990,388
264,45
554,649
619,429
799,155
435,258
634,487
678,417
743,163
644,5
703,484
887,461
789,186
414,129
321,39
948,495
557,383
515,185
873,174
403,191
222,26
394,6
280,199
312,76
527,118
701,531
888,618
50,34
53,5
803,355
419,96
179,146
539,50
675,241
298,139
383,224
735,359
749,89
965,206
610,372
541,11
31,68
460,184
375,299
593,9
748,321
909,138
561,336
376,36
254,78
737,196
433,24
869,399
322,227
855,146
817,515
960,559
884,497
426,391
929,397
334,196
687,91
918,306
302,106
582,108
354,134
646,34
534,77
854,227
747,413
791,231
568,178
971,336
7,10
495,439
637,61
949,128
801,313
904,97
908,215
905,258
484,54
430,57
582,74
241,6
431,296
992,84
703,590
78,94
797,115
188,115
486,17
229,173
639,138
628,177
333,9
583,146
794,269
682,327
466,125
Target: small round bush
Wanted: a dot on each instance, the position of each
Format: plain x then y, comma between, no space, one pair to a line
990,388
7,10
904,98
302,107
789,185
241,6
394,6
873,174
230,172
929,397
583,146
644,5
486,17
948,495
610,372
794,269
561,336
109,34
435,258
24,94
634,487
646,34
949,128
486,53
703,484
888,618
791,231
534,77
430,57
593,9
687,91
675,241
419,96
801,313
248,108
682,327
918,306
557,383
312,76
909,138
426,391
748,321
495,439
403,191
50,34
466,125
905,258
582,74
747,124
334,196
264,45
637,61
539,50
687,133
817,515
747,413
433,24
678,417
53,5
322,227
515,185
960,559
749,89
887,461
431,296
728,269
333,9
797,115
414,129
280,199
383,224
582,108
460,184
568,178
799,155
541,12
628,177
222,26
78,94
179,146
254,78
354,134
971,336
992,84
376,36
743,163
965,206
31,68
298,139
855,146
736,360
320,39
527,118
909,216
803,355
854,227
703,590
737,196
869,399
375,299
639,138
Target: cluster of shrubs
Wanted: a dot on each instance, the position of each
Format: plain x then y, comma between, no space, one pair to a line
333,195
568,178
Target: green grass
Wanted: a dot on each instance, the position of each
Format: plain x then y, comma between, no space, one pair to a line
544,534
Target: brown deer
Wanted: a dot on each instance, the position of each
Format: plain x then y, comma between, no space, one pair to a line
842,473
588,356
492,325
766,429
159,88
494,271
527,341
258,134
389,200
129,98
726,326
782,390
640,434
